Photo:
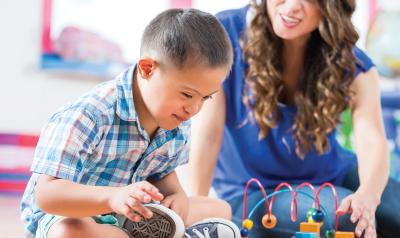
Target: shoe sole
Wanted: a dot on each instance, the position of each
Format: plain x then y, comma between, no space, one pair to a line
164,223
230,224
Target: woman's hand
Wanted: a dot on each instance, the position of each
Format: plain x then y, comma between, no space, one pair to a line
362,205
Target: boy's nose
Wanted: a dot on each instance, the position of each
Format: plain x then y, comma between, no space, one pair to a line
192,109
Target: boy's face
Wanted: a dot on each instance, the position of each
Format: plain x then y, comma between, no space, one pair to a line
172,96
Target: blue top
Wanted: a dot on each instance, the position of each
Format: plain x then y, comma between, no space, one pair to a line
243,156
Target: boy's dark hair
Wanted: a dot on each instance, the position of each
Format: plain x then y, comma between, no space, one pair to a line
184,38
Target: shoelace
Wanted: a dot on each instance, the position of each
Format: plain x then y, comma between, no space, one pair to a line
205,230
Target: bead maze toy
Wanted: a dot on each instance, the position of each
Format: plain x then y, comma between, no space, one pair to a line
316,216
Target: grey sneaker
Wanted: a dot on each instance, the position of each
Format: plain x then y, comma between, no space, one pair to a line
213,228
165,223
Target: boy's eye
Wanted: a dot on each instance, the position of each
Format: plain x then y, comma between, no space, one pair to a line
207,97
187,95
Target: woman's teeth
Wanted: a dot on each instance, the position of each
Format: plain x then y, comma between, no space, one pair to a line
289,19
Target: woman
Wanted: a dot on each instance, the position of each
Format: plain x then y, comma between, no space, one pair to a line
296,70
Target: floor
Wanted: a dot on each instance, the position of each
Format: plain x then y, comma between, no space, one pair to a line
10,225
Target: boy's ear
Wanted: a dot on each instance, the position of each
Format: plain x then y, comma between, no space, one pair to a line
146,66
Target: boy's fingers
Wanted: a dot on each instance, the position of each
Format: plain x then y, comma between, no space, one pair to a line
128,212
147,187
177,209
134,204
166,202
151,190
157,196
140,195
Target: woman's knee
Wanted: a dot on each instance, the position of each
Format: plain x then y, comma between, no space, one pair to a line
69,228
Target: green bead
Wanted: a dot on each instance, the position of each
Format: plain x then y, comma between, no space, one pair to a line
310,211
330,233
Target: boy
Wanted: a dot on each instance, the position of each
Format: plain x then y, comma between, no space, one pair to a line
115,148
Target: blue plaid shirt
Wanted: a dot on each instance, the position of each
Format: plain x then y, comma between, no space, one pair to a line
97,140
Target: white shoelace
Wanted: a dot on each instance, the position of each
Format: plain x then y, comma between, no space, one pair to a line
205,230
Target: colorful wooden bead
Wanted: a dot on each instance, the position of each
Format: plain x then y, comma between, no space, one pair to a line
341,234
330,233
310,211
310,220
305,235
310,227
248,224
244,232
269,221
318,216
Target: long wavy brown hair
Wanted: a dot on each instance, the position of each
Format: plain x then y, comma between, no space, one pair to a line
323,89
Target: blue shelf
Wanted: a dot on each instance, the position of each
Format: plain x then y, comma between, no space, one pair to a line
53,63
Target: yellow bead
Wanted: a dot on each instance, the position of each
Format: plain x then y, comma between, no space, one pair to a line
248,224
310,220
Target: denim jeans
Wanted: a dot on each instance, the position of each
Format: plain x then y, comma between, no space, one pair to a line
387,214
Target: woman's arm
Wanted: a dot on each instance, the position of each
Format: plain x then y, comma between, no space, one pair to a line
371,144
206,143
372,152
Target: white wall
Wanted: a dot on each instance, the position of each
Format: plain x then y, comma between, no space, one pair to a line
28,97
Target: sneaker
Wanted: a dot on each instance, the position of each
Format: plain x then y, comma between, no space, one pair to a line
213,228
164,223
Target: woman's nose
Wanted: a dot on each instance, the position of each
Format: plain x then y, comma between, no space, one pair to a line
292,6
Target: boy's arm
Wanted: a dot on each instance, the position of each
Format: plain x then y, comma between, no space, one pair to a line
168,185
67,198
175,197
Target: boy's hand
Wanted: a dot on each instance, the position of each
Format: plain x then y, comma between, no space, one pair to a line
179,203
127,199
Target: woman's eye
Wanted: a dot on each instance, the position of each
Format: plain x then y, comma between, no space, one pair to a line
207,97
187,95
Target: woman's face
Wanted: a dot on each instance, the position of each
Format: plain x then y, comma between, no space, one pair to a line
292,19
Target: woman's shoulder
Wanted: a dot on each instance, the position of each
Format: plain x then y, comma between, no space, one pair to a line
233,19
364,63
232,13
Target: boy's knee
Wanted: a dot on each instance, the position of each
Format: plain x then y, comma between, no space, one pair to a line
227,209
69,228
224,209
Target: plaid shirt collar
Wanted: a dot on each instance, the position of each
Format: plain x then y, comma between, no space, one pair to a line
126,107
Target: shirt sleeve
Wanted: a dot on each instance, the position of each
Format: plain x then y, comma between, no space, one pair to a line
65,144
365,63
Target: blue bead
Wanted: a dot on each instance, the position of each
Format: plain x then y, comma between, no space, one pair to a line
244,232
306,235
318,216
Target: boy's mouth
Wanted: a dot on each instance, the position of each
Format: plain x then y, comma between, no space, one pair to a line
181,119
